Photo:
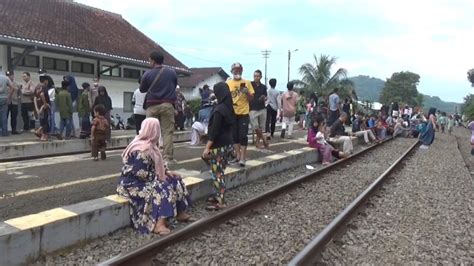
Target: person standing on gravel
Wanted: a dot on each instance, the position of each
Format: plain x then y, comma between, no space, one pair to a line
242,93
219,146
428,135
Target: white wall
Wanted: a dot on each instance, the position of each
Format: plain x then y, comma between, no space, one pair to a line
116,86
194,92
3,59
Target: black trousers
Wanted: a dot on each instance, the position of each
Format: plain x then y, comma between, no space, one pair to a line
241,129
28,123
13,112
271,120
138,121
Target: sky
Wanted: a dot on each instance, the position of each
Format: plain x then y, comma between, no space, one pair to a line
376,38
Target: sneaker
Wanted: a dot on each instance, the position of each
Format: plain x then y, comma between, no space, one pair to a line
234,161
282,135
95,159
242,163
424,147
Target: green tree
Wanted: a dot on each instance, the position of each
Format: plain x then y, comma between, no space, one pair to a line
468,107
317,78
401,88
470,76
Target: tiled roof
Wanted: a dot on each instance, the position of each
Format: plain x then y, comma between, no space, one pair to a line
200,74
65,24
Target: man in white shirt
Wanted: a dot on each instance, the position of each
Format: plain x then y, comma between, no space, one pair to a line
139,114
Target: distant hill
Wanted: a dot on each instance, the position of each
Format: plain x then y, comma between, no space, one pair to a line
370,88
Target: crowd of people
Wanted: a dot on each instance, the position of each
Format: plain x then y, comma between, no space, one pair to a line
227,111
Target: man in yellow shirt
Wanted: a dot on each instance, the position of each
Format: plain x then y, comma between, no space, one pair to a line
242,93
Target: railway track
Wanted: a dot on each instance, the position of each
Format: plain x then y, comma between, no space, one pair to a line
156,252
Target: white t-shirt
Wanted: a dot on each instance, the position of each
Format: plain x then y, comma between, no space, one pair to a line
139,98
320,138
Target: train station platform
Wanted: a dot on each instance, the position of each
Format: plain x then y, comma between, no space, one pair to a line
52,203
29,146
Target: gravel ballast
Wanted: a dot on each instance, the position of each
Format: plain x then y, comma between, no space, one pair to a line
276,231
126,239
333,185
424,214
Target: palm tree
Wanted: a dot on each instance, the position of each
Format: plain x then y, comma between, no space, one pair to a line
317,78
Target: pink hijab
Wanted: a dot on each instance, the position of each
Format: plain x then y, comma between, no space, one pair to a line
147,141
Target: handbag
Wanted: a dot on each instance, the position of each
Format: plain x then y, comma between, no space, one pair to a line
145,105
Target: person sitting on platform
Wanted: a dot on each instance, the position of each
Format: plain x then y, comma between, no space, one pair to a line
358,129
338,134
317,139
154,192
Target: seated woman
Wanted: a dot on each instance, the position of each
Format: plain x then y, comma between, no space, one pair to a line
317,140
199,128
155,193
338,134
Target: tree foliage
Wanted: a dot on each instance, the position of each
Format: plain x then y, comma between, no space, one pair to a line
470,76
317,78
468,107
401,88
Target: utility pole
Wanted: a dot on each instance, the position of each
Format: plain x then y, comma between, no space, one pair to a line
266,55
289,58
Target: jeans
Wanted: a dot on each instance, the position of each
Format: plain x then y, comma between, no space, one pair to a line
13,111
4,116
52,121
66,123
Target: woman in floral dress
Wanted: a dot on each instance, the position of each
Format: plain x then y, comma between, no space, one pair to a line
220,144
155,193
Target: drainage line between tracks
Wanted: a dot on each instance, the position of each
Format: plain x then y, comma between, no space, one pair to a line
317,245
144,255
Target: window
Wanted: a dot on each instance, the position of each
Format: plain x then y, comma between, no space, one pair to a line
131,73
81,67
127,101
114,72
28,60
55,64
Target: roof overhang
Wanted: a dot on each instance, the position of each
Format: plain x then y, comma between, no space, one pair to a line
59,48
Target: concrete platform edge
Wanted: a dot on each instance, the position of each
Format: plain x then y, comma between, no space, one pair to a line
20,243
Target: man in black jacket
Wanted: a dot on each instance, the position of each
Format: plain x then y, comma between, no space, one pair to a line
160,99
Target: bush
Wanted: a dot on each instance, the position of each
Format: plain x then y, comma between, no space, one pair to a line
195,105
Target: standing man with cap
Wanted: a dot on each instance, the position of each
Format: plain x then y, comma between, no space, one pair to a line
15,100
242,93
6,92
160,84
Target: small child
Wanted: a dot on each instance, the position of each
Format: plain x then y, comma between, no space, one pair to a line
99,133
317,140
450,124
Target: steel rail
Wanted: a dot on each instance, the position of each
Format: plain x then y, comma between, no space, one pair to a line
144,255
314,248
